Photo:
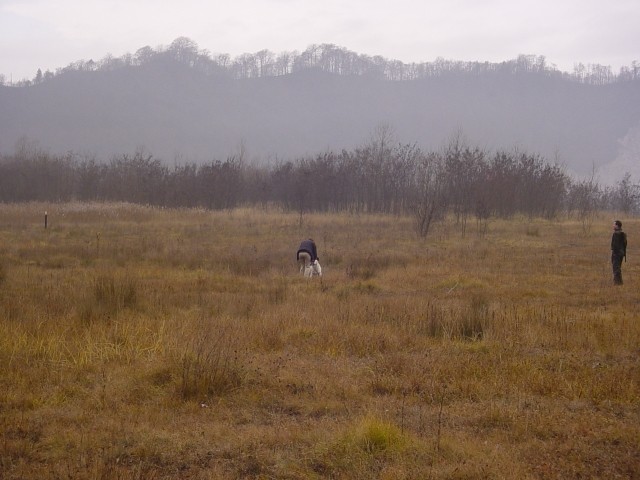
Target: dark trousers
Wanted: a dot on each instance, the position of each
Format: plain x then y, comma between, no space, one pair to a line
616,263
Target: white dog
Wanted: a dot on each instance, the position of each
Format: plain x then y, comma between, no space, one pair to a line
313,270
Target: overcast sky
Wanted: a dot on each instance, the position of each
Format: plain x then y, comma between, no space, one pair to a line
50,34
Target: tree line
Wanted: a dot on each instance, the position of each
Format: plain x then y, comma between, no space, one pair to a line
334,59
380,177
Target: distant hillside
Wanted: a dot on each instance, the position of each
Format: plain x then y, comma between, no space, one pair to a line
179,112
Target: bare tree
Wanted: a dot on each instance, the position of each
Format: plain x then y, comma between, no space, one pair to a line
283,64
144,55
184,50
264,60
429,203
462,166
626,196
223,59
584,199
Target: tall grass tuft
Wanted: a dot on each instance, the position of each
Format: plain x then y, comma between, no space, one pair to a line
375,436
277,291
363,448
468,322
431,322
115,292
209,364
473,320
110,294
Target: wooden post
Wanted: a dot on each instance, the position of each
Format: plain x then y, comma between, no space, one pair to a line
45,220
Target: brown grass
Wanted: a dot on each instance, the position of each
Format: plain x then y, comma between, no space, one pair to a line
146,343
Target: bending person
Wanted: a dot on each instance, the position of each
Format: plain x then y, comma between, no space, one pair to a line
307,255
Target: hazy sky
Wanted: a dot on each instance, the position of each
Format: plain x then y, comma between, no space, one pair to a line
50,34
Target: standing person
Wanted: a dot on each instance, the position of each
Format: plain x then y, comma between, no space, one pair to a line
307,255
618,251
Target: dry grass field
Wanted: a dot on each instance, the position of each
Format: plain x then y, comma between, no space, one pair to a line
141,343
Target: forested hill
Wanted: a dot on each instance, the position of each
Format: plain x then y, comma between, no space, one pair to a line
176,109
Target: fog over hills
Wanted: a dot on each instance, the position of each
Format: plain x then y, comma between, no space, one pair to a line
178,112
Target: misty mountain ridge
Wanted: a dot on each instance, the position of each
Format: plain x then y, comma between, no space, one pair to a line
181,105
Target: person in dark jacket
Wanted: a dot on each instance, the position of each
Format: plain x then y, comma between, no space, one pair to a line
306,255
618,251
